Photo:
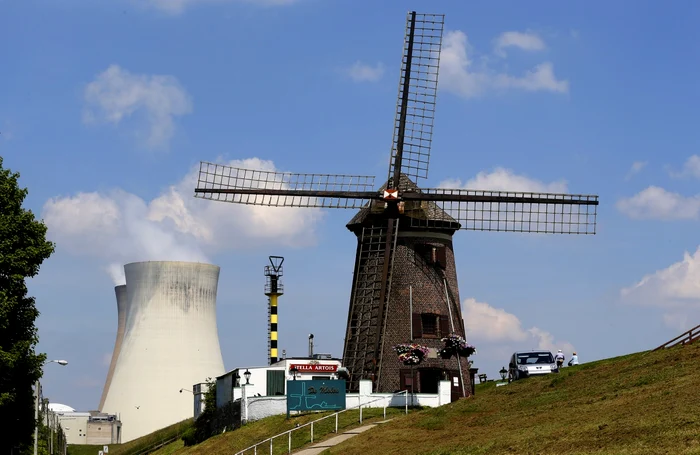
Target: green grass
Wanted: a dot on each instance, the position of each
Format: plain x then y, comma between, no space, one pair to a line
241,438
644,403
137,445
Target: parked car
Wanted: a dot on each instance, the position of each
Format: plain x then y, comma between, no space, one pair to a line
528,363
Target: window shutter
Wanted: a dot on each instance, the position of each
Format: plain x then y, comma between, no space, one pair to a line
441,256
444,326
417,326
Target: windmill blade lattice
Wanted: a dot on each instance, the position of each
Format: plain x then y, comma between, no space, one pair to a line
507,211
282,189
415,108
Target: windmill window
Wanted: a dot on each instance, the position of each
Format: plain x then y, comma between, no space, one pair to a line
429,323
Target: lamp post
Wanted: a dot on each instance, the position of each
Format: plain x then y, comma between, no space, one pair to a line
503,373
37,391
186,390
247,375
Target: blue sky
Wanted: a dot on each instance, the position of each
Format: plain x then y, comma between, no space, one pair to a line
107,107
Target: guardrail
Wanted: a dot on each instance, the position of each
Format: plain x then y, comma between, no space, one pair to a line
288,433
684,338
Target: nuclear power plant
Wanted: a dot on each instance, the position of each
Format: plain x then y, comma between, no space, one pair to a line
169,341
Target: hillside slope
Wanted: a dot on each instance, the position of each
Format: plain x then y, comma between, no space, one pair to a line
644,403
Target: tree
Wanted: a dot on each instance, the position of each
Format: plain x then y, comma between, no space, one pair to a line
23,248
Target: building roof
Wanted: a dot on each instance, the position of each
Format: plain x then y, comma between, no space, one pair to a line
419,210
58,407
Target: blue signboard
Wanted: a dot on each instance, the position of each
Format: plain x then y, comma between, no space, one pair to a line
316,395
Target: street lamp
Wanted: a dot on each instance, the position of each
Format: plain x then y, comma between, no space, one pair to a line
247,376
186,390
503,373
36,403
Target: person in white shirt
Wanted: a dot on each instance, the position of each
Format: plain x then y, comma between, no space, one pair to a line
559,358
574,359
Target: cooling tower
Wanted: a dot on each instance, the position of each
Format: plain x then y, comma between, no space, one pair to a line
120,291
170,342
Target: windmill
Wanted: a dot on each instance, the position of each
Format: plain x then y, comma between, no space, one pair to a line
405,283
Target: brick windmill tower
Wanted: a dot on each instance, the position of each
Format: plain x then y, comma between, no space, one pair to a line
405,281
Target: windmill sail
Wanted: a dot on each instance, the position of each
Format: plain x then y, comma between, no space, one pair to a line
282,189
415,108
507,211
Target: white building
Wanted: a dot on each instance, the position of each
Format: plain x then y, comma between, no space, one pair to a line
170,342
87,427
272,380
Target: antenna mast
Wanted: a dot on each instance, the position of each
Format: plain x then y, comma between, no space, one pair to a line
273,289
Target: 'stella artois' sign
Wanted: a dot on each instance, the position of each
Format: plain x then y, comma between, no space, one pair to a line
314,368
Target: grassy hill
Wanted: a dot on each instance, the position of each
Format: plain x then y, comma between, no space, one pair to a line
644,403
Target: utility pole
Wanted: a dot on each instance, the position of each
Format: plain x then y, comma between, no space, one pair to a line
37,392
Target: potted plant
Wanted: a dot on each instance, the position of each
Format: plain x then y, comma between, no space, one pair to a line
455,344
411,353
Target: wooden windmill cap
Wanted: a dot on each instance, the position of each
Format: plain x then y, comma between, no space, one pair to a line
419,210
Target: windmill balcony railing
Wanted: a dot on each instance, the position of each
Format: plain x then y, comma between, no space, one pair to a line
309,426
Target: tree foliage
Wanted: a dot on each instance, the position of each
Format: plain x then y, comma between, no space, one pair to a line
23,248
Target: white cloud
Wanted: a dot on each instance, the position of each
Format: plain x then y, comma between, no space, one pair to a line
120,227
636,167
674,285
362,72
116,94
502,179
175,7
527,41
657,203
459,75
486,324
691,168
675,289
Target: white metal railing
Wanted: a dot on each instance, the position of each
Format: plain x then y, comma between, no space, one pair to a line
311,424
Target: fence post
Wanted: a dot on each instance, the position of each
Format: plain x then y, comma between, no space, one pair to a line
336,423
270,446
360,412
405,400
312,432
289,449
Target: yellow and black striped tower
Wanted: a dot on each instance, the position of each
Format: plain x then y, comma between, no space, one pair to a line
273,289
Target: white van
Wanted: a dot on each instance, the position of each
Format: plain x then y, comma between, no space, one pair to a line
527,363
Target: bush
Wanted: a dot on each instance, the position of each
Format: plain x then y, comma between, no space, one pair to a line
189,437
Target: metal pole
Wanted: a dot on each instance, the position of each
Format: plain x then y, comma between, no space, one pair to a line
459,361
312,432
336,423
36,414
410,309
289,443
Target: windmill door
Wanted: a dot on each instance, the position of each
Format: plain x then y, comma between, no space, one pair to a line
408,383
455,385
